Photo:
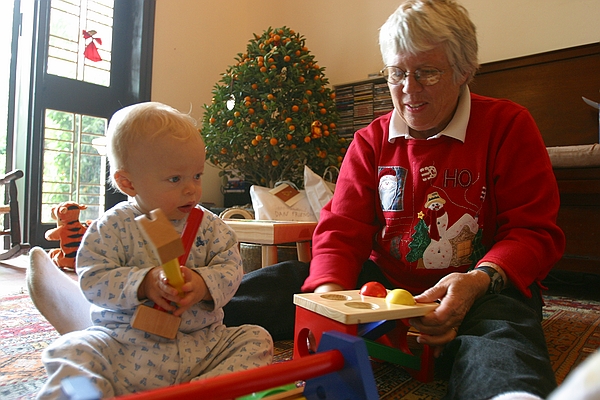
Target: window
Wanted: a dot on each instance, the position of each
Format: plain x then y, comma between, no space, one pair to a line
80,77
80,39
74,165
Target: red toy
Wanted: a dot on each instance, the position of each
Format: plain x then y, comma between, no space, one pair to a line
373,289
382,325
340,370
69,232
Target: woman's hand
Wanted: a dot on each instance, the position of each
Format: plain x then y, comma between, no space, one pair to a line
328,287
456,292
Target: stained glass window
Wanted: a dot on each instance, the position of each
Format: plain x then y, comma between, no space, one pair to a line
80,40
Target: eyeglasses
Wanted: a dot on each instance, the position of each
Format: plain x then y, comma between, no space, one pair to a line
425,76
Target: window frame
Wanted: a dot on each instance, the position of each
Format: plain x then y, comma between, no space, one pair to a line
131,77
11,110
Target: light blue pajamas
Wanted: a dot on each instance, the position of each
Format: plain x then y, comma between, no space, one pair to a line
111,264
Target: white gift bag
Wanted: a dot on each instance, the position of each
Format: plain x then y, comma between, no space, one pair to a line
318,190
267,206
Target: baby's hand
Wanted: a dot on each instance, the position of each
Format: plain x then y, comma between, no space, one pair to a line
156,288
194,290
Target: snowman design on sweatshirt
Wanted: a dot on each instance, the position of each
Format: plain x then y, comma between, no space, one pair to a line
449,245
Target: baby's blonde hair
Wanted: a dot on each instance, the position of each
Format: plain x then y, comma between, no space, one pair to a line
140,124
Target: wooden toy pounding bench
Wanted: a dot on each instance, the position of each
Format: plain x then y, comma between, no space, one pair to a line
383,326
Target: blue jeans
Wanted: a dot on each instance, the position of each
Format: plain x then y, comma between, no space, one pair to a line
500,345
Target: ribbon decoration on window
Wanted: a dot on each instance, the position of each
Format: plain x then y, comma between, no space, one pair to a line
91,51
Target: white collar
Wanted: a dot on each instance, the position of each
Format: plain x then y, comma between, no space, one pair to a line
457,128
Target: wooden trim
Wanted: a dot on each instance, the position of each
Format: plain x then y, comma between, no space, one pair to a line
550,85
540,58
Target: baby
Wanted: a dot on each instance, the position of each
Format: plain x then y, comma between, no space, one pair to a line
157,158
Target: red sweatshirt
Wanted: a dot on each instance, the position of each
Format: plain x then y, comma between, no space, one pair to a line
421,209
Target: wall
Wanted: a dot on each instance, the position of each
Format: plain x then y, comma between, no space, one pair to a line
195,40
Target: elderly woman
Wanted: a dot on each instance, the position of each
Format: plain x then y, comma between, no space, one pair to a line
451,196
474,224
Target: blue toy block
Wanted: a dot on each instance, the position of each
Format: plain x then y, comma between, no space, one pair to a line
355,381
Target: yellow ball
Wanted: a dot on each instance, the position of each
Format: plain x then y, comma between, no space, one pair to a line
400,296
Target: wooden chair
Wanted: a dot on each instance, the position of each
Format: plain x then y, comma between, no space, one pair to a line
12,225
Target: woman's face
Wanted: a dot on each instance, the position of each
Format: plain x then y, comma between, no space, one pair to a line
425,109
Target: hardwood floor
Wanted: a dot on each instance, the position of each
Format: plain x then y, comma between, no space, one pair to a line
12,275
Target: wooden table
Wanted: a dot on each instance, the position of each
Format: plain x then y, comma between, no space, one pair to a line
269,234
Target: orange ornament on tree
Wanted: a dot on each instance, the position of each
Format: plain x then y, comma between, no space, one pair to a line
279,92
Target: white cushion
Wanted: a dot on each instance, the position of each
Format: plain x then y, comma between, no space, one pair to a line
587,155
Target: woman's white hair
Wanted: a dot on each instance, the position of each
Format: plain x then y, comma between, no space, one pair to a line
421,25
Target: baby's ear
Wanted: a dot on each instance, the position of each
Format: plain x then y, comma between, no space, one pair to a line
124,183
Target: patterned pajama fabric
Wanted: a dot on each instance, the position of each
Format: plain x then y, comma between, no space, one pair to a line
111,264
145,361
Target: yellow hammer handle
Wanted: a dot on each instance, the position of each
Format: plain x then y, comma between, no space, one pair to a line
173,274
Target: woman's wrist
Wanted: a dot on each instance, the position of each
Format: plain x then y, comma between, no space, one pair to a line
482,282
328,287
496,277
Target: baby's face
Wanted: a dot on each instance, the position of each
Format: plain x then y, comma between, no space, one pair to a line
166,174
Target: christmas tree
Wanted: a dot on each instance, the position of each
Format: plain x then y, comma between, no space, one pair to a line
419,243
272,113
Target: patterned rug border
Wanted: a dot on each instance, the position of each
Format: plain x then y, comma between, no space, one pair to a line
572,330
24,333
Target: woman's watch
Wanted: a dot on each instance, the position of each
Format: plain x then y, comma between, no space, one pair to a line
496,280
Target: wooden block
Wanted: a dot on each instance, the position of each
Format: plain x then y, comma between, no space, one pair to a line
271,232
349,307
162,235
157,322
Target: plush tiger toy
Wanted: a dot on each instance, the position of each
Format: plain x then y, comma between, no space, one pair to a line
69,232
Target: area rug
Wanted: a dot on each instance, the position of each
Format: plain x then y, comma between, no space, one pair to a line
572,329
